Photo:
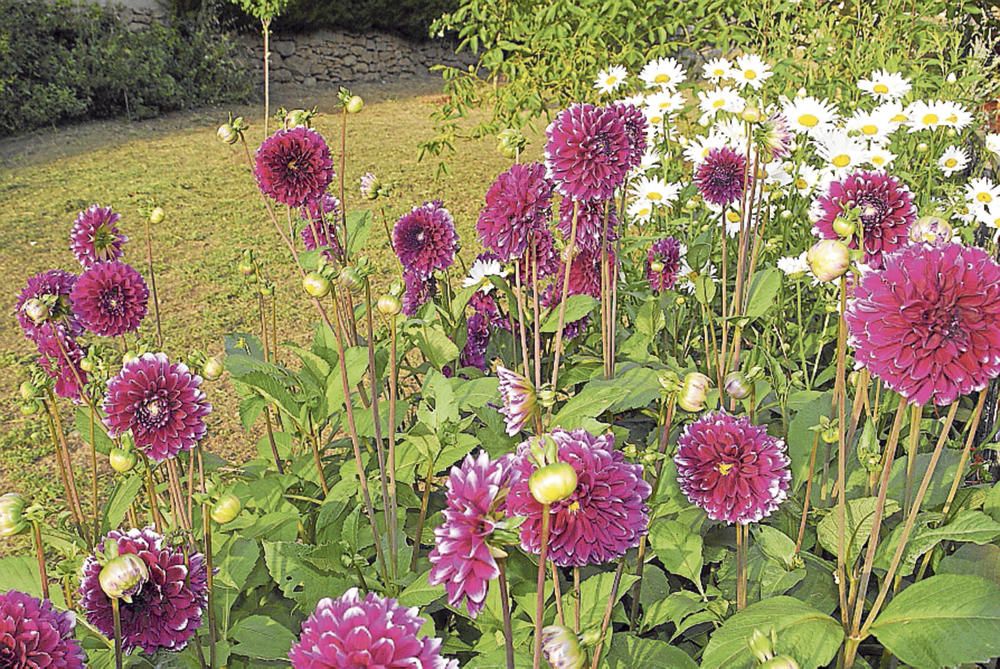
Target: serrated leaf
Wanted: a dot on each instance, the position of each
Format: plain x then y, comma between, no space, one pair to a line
297,578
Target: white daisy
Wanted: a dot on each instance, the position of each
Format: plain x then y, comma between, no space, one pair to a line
993,143
656,191
885,85
894,113
638,101
666,102
982,192
777,174
923,116
879,156
794,265
809,115
953,160
751,71
990,215
735,132
717,69
806,178
640,211
699,147
955,115
720,99
610,79
480,270
649,160
874,125
840,151
663,73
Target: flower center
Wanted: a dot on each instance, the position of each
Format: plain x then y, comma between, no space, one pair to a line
950,162
930,119
881,89
725,467
611,81
869,129
985,198
662,78
878,160
154,413
809,120
842,160
112,301
718,72
898,118
103,240
750,74
872,211
718,103
654,196
801,184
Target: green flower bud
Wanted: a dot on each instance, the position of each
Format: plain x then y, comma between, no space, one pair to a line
157,215
761,646
931,229
350,279
227,134
843,227
780,662
829,259
121,460
922,147
27,390
737,385
12,519
389,305
694,392
750,114
297,117
354,104
226,509
123,577
30,408
87,364
552,483
561,648
212,369
316,285
656,267
246,267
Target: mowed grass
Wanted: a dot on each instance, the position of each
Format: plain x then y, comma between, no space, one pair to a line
213,212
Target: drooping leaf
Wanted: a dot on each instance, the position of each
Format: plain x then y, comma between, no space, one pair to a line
973,560
577,306
968,525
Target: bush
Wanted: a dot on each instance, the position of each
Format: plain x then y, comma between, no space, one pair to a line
62,61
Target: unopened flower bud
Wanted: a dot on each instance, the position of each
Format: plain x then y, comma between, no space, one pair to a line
12,519
123,577
546,397
737,385
157,215
656,267
213,369
923,147
843,227
27,390
349,279
761,646
226,509
227,133
561,648
87,364
510,142
297,117
316,285
750,114
121,460
552,483
354,104
780,662
932,230
694,392
389,305
829,259
36,310
370,186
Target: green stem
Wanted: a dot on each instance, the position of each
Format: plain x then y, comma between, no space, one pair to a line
540,584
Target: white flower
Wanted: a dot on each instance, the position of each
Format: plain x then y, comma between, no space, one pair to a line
954,115
776,173
893,111
875,125
610,79
720,99
663,73
840,151
687,275
806,178
990,215
884,85
993,143
717,69
735,132
794,265
665,102
638,101
480,270
880,157
981,192
656,191
953,160
750,70
640,210
698,148
923,116
809,115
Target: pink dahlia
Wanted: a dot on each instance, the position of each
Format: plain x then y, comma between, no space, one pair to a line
34,635
95,236
588,152
425,239
774,137
53,288
732,469
720,176
518,204
885,207
520,404
663,262
323,208
59,356
418,292
602,519
160,402
585,273
636,126
542,253
591,217
110,298
354,633
461,558
167,609
294,166
928,323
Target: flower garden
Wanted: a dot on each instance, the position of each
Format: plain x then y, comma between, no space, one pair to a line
712,383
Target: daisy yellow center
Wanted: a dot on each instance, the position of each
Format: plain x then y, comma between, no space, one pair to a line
881,89
656,120
611,81
950,162
750,74
930,119
985,198
800,183
654,196
809,120
878,160
869,129
951,119
645,211
718,72
899,118
732,217
718,103
662,78
724,467
843,160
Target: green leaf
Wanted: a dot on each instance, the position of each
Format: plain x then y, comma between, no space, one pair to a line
475,393
650,319
808,635
858,525
628,652
577,306
359,224
586,405
763,290
944,621
800,434
122,495
436,346
82,422
679,548
21,573
262,638
968,526
298,578
357,366
594,595
973,560
421,592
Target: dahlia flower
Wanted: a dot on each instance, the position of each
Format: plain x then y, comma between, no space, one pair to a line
59,356
520,404
320,230
928,323
33,634
53,288
160,402
585,273
95,236
588,152
461,558
418,291
353,632
425,239
602,519
110,298
542,250
476,342
294,166
885,209
323,208
720,176
663,262
517,206
774,137
636,127
166,611
591,217
731,468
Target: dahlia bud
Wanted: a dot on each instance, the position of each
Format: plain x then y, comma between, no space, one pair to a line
388,305
298,117
932,230
780,662
350,279
923,147
546,397
737,385
669,383
552,483
212,369
561,648
30,408
36,310
656,267
246,267
87,364
27,390
316,285
12,519
157,215
123,577
121,460
761,645
828,259
226,509
694,392
370,186
750,114
510,142
227,133
843,227
354,104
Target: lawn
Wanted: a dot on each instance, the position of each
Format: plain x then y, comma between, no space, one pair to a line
213,213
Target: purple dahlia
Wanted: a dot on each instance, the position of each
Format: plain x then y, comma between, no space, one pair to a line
59,356
663,262
354,633
294,166
732,469
425,239
518,205
636,126
587,154
53,288
542,253
720,176
462,559
885,207
592,216
95,236
602,519
110,298
160,402
34,635
928,323
477,340
166,611
418,291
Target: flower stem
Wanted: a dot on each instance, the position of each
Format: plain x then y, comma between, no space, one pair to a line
117,616
808,494
606,621
540,584
576,599
207,528
508,633
377,420
43,576
422,518
393,506
839,395
152,284
568,261
741,566
64,464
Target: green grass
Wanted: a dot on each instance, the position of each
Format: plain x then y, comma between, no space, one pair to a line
213,213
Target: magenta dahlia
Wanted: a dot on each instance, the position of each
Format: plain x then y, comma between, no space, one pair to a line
425,239
542,253
774,137
518,204
160,402
53,288
110,298
732,469
663,262
885,207
602,519
461,557
33,634
59,356
294,166
928,323
418,291
520,404
354,633
636,126
588,152
591,217
323,208
95,236
585,273
166,611
720,176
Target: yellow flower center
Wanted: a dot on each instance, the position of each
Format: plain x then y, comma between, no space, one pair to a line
950,162
724,467
843,160
656,120
881,89
718,103
732,216
878,160
611,81
662,78
930,119
574,506
654,196
718,72
750,74
898,118
984,197
809,120
801,184
952,118
869,129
